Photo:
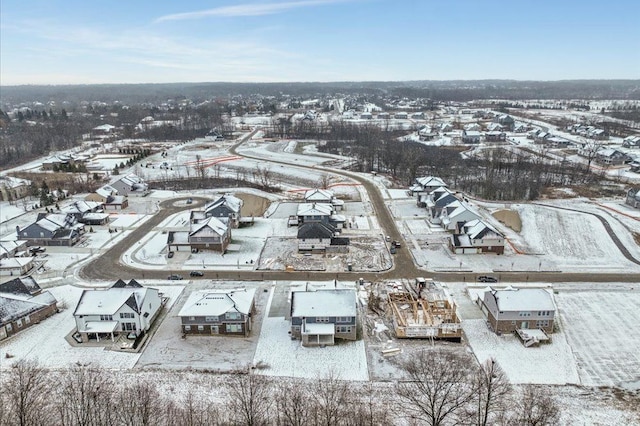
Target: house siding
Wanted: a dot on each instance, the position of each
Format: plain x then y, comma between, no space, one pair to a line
10,328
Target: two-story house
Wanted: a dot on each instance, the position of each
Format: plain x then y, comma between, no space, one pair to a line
525,308
23,304
224,207
217,311
314,212
127,308
323,196
210,234
475,236
108,197
319,317
633,197
130,184
425,184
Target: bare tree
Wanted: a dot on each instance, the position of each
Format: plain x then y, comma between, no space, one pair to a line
437,388
26,395
84,397
193,411
536,408
249,399
368,408
330,402
201,167
263,175
324,181
139,404
492,391
292,403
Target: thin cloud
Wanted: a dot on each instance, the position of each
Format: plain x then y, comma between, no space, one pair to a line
249,9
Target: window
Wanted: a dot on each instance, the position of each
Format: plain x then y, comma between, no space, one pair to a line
192,318
322,319
106,317
343,319
126,315
210,319
524,314
344,329
233,315
542,323
27,320
19,323
9,328
234,328
201,328
187,328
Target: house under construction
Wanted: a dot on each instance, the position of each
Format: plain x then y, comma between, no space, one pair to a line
431,315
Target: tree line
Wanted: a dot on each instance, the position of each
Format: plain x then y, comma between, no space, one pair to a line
436,387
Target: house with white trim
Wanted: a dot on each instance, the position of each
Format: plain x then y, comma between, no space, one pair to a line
219,312
123,308
511,309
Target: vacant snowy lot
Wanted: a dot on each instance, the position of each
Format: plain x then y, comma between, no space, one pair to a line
603,331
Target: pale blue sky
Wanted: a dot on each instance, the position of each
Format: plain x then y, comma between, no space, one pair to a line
81,42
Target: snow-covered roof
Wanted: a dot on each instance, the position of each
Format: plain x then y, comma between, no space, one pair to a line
431,181
231,202
14,306
109,301
216,224
218,302
323,303
104,127
80,207
476,229
314,209
106,191
318,195
524,299
99,327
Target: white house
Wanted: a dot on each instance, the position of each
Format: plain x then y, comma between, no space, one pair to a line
122,308
456,212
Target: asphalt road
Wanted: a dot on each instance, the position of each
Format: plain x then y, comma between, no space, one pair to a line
108,266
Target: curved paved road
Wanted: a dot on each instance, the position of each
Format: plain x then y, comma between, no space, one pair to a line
108,266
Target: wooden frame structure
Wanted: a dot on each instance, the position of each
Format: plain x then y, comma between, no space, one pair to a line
434,317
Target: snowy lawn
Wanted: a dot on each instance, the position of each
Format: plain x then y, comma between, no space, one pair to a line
604,332
285,357
546,364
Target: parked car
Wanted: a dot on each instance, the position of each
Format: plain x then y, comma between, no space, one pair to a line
196,273
396,244
392,250
35,250
174,277
189,200
170,254
487,279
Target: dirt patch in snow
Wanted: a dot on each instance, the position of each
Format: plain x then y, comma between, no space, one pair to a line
511,218
253,204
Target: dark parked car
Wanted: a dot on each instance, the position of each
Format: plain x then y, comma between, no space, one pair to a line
189,200
170,254
196,273
392,250
175,277
487,279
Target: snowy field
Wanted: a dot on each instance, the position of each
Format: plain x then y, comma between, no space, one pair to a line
603,331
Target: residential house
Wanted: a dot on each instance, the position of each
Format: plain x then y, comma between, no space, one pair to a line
12,188
631,142
435,201
108,197
506,121
426,184
611,157
633,197
475,236
471,136
52,230
323,196
217,311
210,234
418,115
57,161
366,116
224,207
16,266
454,213
314,212
23,304
123,308
87,212
495,136
13,248
526,308
472,127
319,317
130,184
557,142
427,133
103,130
315,236
520,128
400,115
494,127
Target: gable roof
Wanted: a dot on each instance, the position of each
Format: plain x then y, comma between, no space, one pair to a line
216,302
217,225
232,203
431,181
109,301
25,285
15,306
314,209
318,195
315,230
477,229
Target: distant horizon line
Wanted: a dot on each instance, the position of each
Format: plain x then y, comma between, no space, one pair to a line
325,82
